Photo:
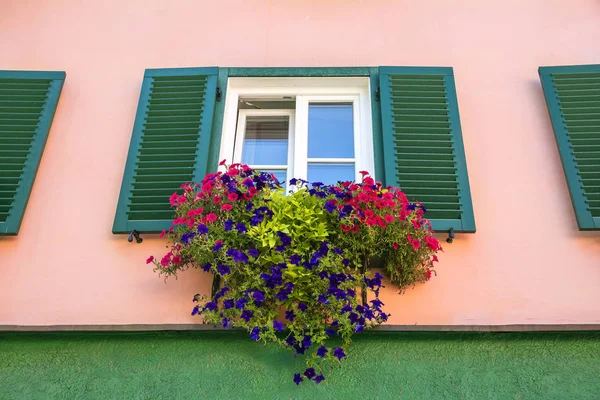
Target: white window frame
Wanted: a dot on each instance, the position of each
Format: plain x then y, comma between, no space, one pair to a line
306,90
240,136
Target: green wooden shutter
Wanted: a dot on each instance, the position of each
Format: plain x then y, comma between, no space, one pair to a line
422,143
573,98
169,145
28,100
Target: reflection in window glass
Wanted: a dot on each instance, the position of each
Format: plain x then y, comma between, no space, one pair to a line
266,140
330,173
330,131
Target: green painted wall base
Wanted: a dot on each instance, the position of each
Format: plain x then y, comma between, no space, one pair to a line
227,365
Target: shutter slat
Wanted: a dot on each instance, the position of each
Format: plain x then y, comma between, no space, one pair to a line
423,151
573,98
169,145
27,106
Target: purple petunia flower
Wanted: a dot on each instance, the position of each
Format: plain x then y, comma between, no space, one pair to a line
218,246
297,379
310,373
278,326
228,225
241,303
302,307
241,228
247,315
206,267
226,323
202,229
228,304
319,378
211,306
255,334
289,315
321,351
295,259
330,206
253,253
307,341
339,353
258,297
196,310
223,269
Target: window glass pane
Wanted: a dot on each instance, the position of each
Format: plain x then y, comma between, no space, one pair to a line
266,140
330,173
330,131
280,174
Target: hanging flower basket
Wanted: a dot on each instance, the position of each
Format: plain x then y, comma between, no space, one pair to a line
293,268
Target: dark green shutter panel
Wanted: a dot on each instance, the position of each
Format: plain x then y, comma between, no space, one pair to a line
422,143
169,145
573,99
28,100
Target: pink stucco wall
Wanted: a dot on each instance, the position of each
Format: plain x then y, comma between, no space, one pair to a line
527,263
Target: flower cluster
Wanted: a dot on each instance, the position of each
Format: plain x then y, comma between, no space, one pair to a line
291,268
377,222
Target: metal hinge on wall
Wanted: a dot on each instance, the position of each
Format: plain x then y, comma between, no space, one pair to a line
219,94
377,94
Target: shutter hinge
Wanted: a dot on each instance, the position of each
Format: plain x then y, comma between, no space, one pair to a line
219,94
377,94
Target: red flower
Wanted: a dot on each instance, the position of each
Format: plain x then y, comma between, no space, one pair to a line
395,246
363,173
415,244
369,214
232,196
415,223
166,259
179,221
233,171
176,260
212,217
355,228
363,197
428,274
434,259
173,199
432,243
345,228
368,181
353,187
389,218
370,221
190,222
380,222
197,211
223,162
162,234
226,207
217,199
150,259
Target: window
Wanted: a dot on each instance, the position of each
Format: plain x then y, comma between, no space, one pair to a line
28,100
320,124
324,133
573,98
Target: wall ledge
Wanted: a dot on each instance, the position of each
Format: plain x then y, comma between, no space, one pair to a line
381,328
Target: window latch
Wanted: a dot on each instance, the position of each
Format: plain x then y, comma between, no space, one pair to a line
219,94
377,94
